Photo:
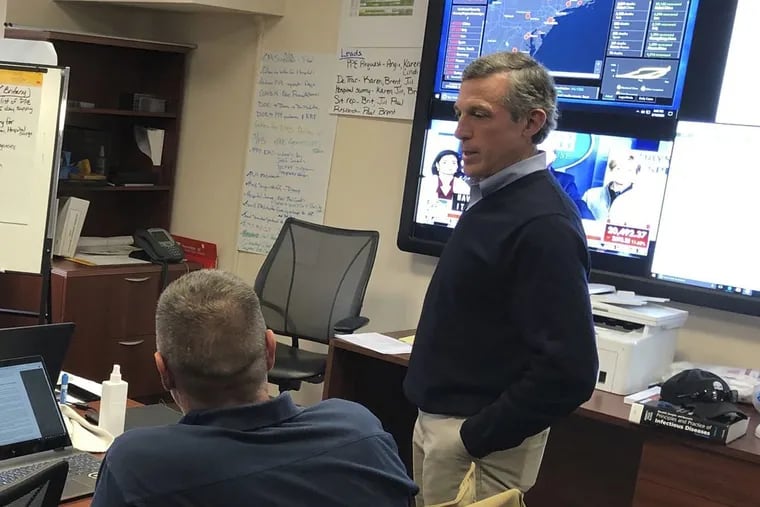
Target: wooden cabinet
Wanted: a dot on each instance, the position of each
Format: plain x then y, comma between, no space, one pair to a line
114,311
673,474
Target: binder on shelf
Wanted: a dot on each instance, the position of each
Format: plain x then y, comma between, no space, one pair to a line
71,214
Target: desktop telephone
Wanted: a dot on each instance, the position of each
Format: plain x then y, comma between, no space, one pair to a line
158,245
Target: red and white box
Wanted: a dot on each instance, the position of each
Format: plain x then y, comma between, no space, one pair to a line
202,252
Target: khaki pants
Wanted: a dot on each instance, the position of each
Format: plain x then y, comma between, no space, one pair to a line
441,462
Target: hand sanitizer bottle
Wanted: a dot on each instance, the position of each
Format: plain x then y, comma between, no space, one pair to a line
113,403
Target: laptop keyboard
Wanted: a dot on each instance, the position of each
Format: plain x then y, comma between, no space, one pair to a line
82,464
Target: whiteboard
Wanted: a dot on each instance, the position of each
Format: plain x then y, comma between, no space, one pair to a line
291,146
31,119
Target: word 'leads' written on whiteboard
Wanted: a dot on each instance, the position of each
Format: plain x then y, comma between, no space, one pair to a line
378,82
20,96
291,146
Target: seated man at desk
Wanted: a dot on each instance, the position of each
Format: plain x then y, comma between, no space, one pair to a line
235,445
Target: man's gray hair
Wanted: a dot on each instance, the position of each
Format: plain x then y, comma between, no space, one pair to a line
531,86
211,333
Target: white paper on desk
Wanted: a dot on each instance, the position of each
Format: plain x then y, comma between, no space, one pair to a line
600,288
626,298
71,398
378,342
88,385
107,259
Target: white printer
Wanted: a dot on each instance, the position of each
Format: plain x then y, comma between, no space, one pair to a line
635,339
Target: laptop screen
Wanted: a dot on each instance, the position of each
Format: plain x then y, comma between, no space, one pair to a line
31,420
50,341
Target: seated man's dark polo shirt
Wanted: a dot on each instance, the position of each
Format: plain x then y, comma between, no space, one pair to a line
275,453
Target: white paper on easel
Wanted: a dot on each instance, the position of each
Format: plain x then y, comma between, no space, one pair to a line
21,103
151,142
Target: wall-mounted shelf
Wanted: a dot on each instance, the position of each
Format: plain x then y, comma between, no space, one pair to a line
266,7
70,187
118,112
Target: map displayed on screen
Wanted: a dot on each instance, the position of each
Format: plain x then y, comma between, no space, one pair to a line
546,28
628,54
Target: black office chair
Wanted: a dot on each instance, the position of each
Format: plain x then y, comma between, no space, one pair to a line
41,489
311,286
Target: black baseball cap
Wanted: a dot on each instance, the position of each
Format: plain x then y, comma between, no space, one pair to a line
702,391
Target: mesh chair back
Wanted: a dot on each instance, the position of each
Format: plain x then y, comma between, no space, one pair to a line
314,276
41,489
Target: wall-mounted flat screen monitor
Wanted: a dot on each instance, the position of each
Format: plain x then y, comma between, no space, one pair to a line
707,236
627,57
736,103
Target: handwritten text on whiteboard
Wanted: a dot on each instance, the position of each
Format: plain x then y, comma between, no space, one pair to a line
20,96
291,145
378,82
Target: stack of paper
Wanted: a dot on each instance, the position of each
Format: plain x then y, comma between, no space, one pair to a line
647,395
626,298
114,245
110,251
378,342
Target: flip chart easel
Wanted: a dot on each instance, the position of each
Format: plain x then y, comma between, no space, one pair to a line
33,93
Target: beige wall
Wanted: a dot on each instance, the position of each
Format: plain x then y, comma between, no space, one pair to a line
368,163
366,183
215,126
366,179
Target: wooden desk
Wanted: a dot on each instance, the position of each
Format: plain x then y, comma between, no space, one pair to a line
594,458
82,502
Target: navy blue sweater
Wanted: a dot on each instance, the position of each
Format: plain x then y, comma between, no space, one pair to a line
506,336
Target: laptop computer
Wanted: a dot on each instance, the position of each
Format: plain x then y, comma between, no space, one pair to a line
32,432
51,341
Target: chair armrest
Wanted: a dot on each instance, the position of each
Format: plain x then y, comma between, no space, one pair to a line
350,324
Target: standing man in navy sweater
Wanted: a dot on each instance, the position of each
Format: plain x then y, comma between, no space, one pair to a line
505,343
